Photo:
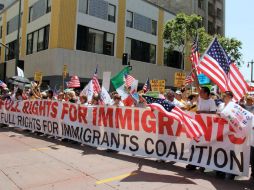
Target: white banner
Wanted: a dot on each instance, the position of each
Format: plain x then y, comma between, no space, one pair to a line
134,130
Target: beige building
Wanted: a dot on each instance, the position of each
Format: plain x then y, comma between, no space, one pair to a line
212,11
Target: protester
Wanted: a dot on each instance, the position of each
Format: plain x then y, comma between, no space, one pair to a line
117,101
205,103
95,100
60,97
249,105
170,96
50,95
192,103
72,97
83,100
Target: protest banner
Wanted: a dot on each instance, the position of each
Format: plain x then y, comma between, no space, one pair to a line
179,79
158,85
133,130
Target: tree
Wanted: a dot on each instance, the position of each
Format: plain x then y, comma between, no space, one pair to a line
179,34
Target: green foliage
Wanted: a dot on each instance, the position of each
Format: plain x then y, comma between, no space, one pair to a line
180,33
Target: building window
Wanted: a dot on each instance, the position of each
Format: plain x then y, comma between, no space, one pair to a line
173,59
219,14
39,9
219,31
129,19
95,41
141,51
111,13
83,6
38,40
211,28
201,4
211,11
154,27
10,50
48,6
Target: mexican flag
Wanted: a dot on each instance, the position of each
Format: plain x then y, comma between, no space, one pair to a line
119,84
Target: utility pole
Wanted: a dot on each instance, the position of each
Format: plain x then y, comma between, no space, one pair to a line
251,63
18,37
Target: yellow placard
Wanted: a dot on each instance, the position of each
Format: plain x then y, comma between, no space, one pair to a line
158,85
65,71
179,79
38,76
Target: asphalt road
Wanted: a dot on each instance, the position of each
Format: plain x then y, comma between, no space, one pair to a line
30,161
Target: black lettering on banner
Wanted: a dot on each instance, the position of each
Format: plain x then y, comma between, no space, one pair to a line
66,130
19,120
75,132
115,140
96,136
81,133
209,156
157,147
172,150
233,158
146,146
192,153
133,141
182,153
201,152
38,125
87,135
216,158
124,140
105,139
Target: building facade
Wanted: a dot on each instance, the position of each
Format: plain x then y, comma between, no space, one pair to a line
211,11
84,33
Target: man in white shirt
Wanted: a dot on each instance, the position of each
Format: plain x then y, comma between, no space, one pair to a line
205,103
170,96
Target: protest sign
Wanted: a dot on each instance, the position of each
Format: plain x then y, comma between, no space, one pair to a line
65,71
202,79
158,85
136,131
38,76
179,79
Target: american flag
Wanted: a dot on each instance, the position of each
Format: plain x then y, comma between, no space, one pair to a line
146,86
188,80
193,128
195,56
2,84
129,80
95,81
217,65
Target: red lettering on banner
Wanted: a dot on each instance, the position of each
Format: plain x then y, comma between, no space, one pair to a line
221,125
181,129
123,120
94,116
167,124
54,107
64,110
206,127
150,125
105,119
136,120
82,112
35,108
25,107
17,107
233,138
73,112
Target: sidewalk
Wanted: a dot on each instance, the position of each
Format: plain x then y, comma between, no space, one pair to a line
29,161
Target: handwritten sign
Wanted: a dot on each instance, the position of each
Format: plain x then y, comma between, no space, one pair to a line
158,85
179,79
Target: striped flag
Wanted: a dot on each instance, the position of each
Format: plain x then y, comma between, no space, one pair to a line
146,86
217,65
192,127
195,56
95,81
188,80
2,84
123,87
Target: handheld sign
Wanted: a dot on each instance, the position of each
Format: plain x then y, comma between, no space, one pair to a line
65,71
38,76
179,79
158,85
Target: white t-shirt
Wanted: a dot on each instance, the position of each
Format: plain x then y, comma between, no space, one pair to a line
206,105
177,103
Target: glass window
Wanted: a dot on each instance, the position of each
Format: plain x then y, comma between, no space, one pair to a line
29,44
109,44
128,46
48,6
83,6
154,27
111,12
46,37
35,40
201,4
95,43
30,14
152,54
1,30
41,40
173,59
129,19
8,28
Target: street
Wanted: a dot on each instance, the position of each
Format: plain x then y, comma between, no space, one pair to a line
30,161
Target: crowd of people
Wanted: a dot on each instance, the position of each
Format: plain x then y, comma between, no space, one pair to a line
200,101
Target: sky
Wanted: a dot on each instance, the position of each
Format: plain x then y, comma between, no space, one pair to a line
240,25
